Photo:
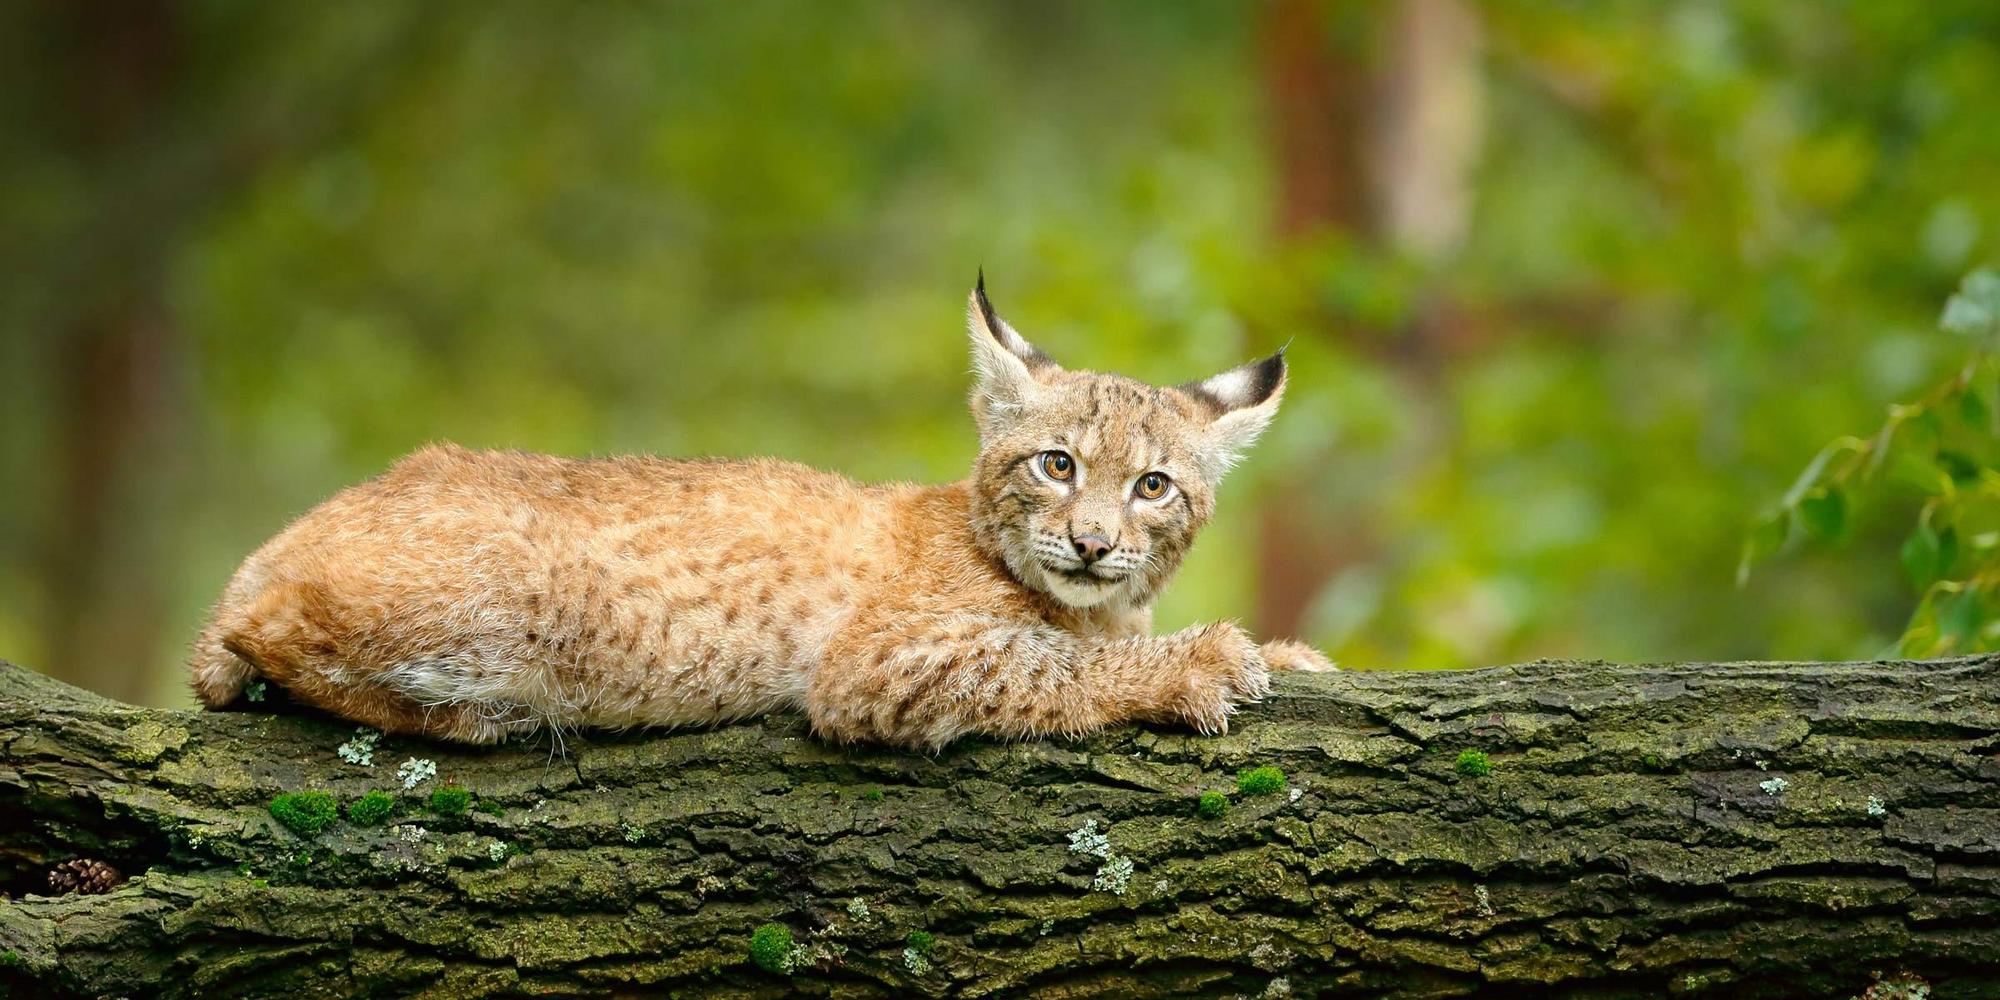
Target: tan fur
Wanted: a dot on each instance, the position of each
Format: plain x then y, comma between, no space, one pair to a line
471,595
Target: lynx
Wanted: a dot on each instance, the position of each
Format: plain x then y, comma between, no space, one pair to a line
471,595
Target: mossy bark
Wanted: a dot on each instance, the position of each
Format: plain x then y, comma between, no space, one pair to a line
1725,829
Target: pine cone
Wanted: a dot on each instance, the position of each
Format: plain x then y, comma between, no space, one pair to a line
85,875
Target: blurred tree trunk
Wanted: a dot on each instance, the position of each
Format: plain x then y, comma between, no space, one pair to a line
117,406
1431,124
1379,152
162,127
1318,98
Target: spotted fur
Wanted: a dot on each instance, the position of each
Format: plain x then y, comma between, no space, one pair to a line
472,595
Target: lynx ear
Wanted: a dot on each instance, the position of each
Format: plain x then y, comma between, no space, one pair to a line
1243,401
1004,365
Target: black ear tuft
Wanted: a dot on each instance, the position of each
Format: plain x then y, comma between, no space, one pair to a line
1002,334
986,307
1240,387
1266,377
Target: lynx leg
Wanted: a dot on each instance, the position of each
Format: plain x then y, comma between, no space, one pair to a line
1291,654
291,635
927,683
219,676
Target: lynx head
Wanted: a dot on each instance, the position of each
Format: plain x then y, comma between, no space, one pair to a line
1090,487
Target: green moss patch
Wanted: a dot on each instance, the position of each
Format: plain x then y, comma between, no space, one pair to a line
1212,805
305,813
451,800
1260,780
371,809
771,948
1473,764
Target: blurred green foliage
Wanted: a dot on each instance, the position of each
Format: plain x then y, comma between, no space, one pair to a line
1704,239
1943,449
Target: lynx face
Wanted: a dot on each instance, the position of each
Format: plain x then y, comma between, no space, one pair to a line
1090,487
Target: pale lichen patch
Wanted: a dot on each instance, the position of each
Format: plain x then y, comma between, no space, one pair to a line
416,771
359,751
1087,839
1115,876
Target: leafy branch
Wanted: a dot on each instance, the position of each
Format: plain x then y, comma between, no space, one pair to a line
1945,446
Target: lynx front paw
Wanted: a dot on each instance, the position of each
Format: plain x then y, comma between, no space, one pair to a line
1291,654
1223,669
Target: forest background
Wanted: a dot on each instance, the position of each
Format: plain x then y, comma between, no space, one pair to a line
1573,290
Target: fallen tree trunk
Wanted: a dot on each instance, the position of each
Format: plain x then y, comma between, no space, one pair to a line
1724,829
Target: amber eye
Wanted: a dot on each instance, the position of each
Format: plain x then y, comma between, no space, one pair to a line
1058,466
1152,486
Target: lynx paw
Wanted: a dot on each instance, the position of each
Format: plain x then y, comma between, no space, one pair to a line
1291,654
1224,669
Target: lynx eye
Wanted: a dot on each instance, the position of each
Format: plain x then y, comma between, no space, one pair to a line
1152,486
1057,465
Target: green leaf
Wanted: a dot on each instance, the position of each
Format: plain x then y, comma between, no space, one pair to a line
1959,618
1920,556
1919,470
1959,465
1823,513
1972,408
1920,640
1766,537
1818,466
1920,636
1914,645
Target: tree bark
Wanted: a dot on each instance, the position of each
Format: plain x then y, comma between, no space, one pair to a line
1743,829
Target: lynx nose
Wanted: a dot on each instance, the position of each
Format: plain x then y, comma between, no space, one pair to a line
1090,548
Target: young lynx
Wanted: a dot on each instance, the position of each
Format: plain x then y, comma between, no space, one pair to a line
471,595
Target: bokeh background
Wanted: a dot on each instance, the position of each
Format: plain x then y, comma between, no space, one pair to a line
1573,289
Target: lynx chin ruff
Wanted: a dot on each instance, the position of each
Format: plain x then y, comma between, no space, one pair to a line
472,595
